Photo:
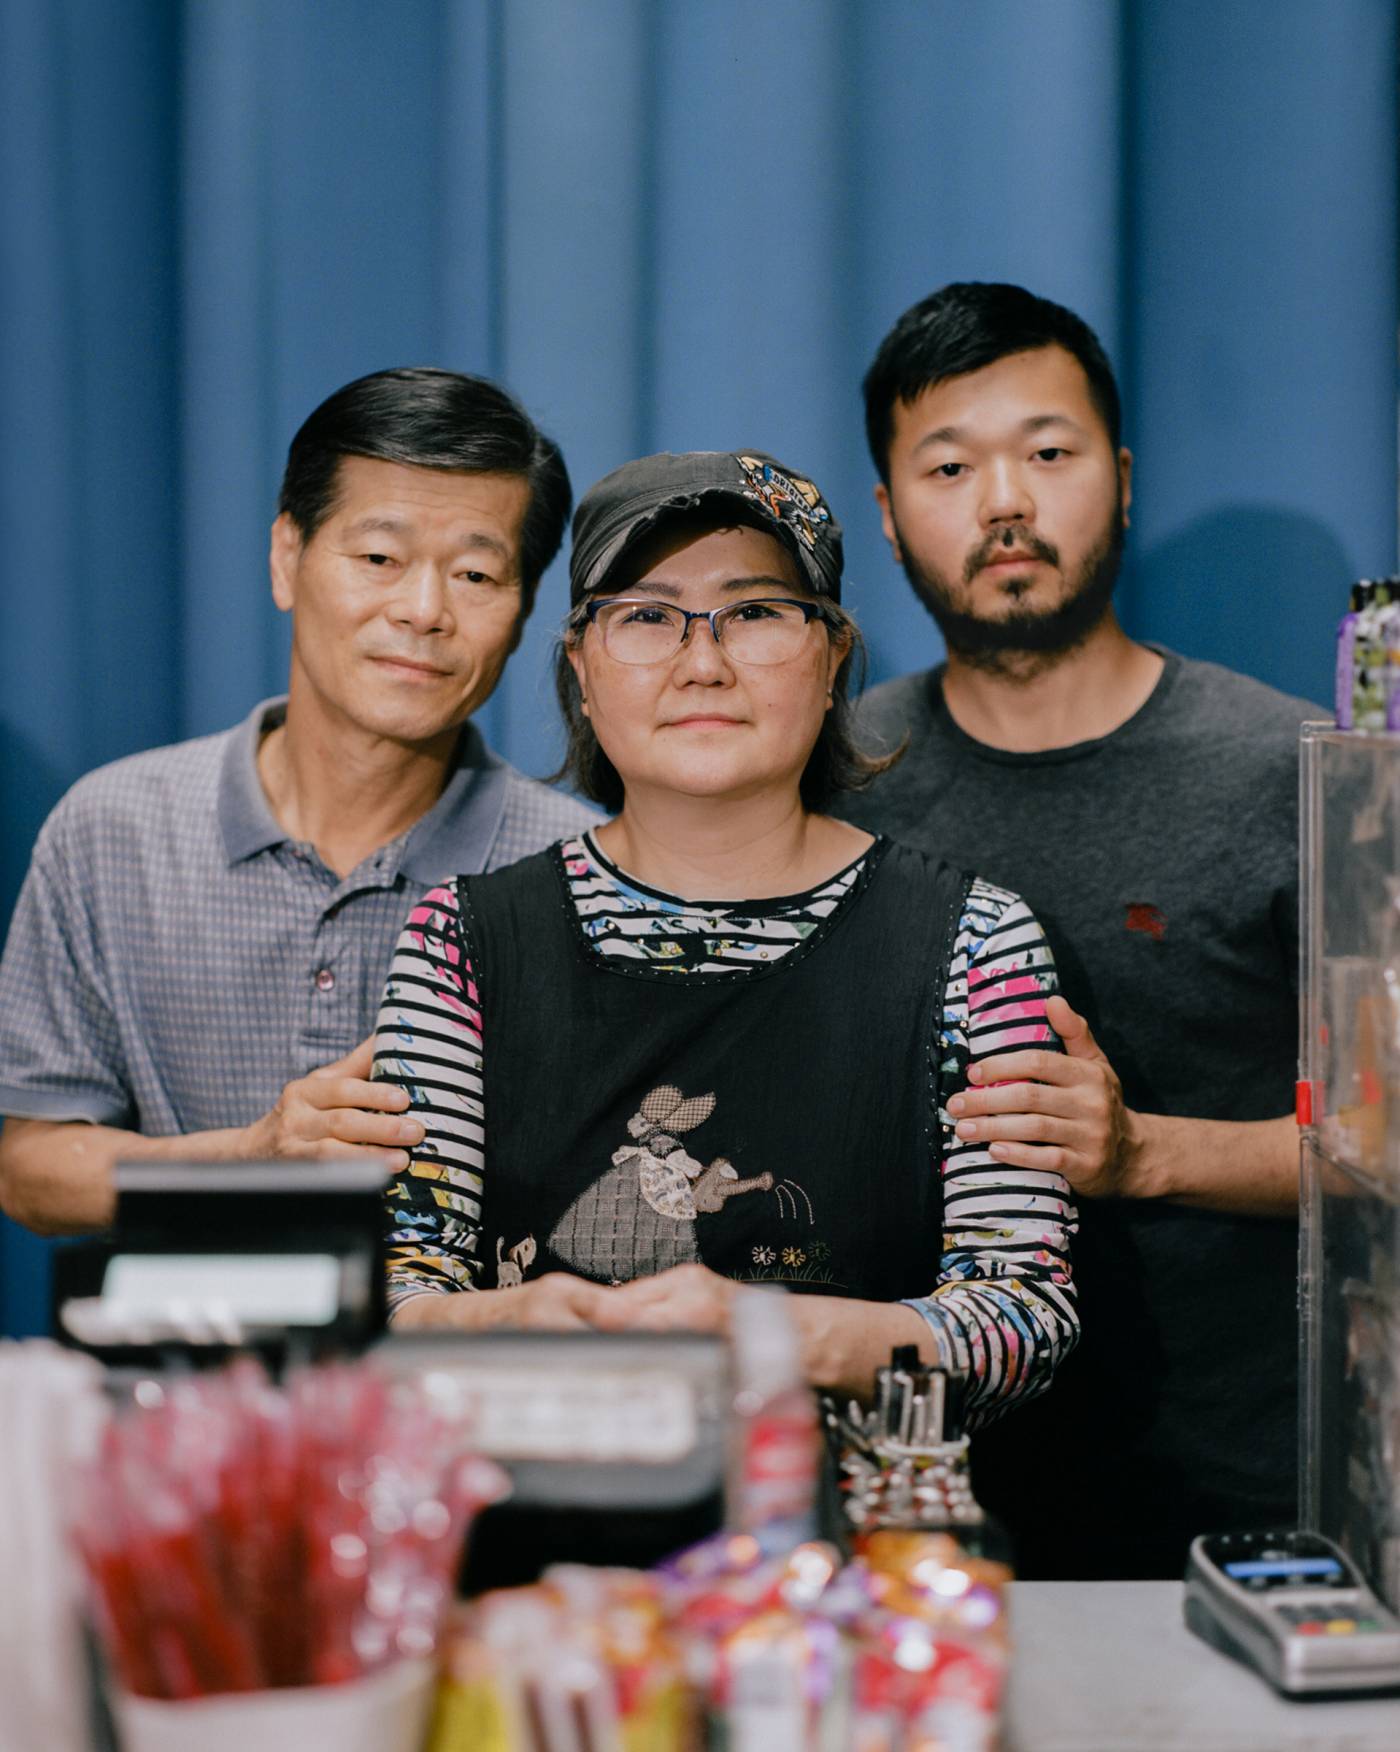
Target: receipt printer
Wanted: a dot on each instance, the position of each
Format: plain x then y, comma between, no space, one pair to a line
214,1256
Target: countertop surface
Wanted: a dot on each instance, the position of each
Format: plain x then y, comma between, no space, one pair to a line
1111,1667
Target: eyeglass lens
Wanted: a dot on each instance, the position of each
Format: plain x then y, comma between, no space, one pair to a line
750,632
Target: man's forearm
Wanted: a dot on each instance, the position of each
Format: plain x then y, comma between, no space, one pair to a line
1245,1167
56,1177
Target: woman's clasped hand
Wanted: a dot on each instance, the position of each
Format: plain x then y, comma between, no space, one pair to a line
686,1298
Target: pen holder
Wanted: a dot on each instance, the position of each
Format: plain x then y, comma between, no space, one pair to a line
386,1712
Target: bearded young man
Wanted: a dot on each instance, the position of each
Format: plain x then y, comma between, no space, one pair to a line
1146,806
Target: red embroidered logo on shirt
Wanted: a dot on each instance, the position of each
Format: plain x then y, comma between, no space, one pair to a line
1149,919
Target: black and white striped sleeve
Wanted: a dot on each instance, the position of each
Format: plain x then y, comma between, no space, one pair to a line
428,1041
1003,1309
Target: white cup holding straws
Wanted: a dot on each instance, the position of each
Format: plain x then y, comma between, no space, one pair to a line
384,1712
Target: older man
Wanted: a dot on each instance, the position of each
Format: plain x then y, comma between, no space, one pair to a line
203,927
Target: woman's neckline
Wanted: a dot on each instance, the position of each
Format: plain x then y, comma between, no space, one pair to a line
748,907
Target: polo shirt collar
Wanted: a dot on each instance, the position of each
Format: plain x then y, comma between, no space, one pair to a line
457,833
460,829
246,820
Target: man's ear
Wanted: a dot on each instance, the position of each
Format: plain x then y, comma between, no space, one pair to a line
882,499
1125,481
284,560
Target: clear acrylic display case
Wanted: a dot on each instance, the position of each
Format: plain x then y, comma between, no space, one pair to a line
1349,1102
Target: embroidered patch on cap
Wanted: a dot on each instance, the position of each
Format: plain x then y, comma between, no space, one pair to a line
788,499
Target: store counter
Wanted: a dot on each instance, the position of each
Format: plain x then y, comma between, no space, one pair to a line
1111,1667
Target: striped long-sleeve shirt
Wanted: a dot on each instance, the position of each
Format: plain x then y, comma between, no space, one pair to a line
1000,1302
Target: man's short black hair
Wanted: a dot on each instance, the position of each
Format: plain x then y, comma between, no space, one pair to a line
429,418
964,327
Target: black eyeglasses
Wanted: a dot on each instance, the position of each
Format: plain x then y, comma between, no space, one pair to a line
639,629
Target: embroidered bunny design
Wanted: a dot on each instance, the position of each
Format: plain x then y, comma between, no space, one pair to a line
511,1272
610,1230
672,1182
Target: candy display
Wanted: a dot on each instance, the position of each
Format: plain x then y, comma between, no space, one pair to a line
903,1649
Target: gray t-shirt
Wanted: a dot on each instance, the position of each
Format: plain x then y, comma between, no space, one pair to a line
175,958
1162,860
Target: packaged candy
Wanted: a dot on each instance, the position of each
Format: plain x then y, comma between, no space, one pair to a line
933,1649
582,1661
930,1576
782,1681
915,1691
1368,657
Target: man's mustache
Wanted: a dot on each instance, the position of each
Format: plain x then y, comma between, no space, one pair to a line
1022,541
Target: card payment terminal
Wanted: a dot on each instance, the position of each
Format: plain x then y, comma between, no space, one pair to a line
1293,1606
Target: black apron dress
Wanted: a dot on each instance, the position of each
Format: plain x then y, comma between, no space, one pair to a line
777,1124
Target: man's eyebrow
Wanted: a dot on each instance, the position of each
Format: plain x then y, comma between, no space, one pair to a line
380,525
1039,422
480,539
377,525
940,435
1036,423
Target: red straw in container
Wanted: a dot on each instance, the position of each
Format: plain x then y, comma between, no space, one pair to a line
238,1536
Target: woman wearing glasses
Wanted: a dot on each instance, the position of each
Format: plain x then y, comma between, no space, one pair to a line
711,1040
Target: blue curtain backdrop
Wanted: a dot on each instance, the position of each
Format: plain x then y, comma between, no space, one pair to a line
664,226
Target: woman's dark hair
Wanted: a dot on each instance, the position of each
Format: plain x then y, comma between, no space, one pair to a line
429,418
964,327
837,761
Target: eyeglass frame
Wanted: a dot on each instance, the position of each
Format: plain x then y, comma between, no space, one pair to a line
586,615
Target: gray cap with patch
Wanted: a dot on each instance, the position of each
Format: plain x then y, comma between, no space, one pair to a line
627,504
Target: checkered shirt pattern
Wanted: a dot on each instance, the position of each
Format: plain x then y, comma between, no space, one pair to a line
175,959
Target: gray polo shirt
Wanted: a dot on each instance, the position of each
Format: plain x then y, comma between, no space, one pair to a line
175,959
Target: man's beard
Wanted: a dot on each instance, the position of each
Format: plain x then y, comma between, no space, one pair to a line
1025,641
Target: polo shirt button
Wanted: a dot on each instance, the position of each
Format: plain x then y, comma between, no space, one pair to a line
325,980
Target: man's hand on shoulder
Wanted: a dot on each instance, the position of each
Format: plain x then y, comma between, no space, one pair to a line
57,1176
1062,1113
338,1111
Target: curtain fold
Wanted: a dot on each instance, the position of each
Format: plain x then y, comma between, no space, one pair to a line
663,226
